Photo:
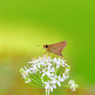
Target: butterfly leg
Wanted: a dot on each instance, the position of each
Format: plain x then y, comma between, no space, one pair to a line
61,55
45,52
49,53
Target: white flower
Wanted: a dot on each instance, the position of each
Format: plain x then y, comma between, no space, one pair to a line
65,76
49,87
34,69
47,58
48,71
73,86
34,61
71,82
27,80
46,63
59,62
57,79
24,72
55,60
67,69
66,73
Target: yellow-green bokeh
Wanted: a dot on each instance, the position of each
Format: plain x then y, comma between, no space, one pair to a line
24,24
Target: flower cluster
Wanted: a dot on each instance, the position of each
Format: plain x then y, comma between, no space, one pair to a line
45,72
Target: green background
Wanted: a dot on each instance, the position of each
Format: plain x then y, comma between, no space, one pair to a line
24,24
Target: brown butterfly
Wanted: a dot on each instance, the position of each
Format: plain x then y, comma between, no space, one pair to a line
56,48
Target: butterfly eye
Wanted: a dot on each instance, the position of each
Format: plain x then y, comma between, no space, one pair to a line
46,46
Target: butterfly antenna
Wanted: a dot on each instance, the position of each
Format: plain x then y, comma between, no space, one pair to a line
39,45
42,48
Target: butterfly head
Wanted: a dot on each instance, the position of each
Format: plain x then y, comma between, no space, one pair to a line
45,46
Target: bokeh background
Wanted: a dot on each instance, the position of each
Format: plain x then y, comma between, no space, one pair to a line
24,24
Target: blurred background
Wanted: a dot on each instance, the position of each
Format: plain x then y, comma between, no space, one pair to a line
24,24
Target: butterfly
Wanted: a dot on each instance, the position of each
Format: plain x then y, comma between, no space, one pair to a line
56,48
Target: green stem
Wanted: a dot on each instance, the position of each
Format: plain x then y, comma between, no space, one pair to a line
36,85
47,93
38,75
57,70
65,86
34,80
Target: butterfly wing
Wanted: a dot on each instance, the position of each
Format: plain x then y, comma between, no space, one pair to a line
58,47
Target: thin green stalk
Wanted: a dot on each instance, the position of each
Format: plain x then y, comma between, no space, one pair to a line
36,85
65,86
47,93
38,75
57,70
34,80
